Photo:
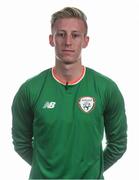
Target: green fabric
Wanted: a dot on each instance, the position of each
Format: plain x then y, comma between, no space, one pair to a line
53,133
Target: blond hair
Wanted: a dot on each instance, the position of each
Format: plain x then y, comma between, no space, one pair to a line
69,12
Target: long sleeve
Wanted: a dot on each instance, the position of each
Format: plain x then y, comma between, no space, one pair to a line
22,128
115,127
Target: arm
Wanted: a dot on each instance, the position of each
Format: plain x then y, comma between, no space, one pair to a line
22,125
115,127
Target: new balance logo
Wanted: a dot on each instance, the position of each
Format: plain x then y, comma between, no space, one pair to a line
49,105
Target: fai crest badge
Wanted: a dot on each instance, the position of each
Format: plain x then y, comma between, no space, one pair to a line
87,103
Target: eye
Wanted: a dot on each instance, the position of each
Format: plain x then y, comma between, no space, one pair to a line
61,34
75,35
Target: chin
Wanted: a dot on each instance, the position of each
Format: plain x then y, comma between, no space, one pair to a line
67,60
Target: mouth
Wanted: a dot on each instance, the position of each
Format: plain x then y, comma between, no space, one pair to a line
68,51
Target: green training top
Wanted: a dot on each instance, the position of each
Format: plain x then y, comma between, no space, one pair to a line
58,129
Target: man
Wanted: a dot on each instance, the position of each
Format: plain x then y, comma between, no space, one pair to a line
60,115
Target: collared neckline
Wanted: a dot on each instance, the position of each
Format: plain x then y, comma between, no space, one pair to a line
73,82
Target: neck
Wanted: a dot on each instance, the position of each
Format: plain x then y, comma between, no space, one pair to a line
68,72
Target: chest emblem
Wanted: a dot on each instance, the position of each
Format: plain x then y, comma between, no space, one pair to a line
87,103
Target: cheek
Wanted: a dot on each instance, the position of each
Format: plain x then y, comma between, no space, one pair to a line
58,42
79,47
57,49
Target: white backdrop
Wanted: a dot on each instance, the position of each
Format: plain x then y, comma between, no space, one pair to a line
113,50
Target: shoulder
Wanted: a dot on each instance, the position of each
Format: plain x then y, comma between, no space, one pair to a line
107,88
99,78
103,84
32,87
37,80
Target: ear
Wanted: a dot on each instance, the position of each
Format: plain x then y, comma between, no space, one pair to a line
86,41
51,42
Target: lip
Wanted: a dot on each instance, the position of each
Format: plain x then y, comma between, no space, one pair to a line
68,50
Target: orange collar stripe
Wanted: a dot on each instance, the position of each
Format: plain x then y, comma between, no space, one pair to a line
73,82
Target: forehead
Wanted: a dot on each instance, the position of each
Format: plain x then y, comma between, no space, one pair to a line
69,24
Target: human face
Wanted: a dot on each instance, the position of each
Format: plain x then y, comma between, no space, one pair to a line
68,37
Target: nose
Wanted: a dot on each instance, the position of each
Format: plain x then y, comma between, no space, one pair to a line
68,40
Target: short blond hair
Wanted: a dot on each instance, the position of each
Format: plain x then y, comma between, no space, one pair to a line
69,12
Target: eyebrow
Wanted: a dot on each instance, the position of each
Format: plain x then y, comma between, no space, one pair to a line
74,31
